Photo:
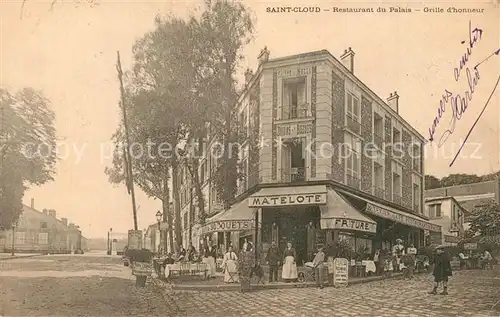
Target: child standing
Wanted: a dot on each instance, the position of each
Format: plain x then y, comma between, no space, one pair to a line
442,270
388,267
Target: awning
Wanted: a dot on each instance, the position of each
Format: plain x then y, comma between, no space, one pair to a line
238,218
339,214
395,215
288,196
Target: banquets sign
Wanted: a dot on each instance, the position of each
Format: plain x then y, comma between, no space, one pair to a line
410,221
229,225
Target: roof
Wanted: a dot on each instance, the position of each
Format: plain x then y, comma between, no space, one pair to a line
339,65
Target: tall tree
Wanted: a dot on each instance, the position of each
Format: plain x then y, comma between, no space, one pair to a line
27,149
486,222
459,179
225,28
431,182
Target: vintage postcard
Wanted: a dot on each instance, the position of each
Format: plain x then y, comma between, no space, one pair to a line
249,158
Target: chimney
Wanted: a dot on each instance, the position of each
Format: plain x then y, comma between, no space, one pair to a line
393,101
52,213
64,221
348,59
248,76
263,56
32,203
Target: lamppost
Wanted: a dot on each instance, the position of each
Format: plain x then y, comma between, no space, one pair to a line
109,241
158,219
13,238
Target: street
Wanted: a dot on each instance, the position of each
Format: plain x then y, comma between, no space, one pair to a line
96,285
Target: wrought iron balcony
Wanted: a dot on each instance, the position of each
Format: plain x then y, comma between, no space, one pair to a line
353,181
295,174
397,199
352,124
296,112
378,192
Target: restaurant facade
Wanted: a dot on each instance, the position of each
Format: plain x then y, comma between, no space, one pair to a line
321,162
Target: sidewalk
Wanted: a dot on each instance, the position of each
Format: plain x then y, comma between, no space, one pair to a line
190,283
8,256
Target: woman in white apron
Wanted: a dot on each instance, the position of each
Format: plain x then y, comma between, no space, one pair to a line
289,272
209,260
230,266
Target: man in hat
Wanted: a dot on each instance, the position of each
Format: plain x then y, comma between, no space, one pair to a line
273,258
442,270
318,261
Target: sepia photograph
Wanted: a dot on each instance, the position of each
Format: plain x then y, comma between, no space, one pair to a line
191,158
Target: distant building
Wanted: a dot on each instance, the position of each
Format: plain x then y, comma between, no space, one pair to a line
469,196
449,214
41,231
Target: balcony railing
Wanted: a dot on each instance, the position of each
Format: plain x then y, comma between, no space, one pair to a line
352,124
353,181
378,141
295,174
296,112
397,199
378,192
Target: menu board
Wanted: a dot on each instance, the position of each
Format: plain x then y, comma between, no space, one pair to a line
340,272
134,239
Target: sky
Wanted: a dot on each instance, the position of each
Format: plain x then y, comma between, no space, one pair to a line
69,52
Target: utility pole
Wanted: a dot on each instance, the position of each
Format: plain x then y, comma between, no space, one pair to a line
130,180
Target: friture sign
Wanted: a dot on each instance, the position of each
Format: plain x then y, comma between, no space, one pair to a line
287,200
228,225
348,224
410,221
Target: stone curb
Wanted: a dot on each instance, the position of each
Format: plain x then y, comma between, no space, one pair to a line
20,257
236,287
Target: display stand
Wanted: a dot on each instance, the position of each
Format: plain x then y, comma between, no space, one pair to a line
340,272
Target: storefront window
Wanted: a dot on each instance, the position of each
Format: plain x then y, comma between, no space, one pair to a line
364,245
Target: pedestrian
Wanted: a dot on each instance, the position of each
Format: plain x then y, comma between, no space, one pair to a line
442,270
289,271
376,260
230,266
273,259
397,252
246,263
318,261
486,260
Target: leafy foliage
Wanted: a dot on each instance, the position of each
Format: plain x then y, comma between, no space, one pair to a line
486,221
27,150
432,182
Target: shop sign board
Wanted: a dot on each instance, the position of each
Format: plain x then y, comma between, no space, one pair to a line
228,225
340,272
135,239
470,246
410,221
287,200
349,224
294,129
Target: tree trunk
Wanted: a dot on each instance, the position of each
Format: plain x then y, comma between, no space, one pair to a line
227,135
167,214
177,205
197,187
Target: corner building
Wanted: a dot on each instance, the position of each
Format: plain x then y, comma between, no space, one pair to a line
319,161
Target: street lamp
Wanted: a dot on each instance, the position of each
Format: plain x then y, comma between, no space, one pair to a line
109,241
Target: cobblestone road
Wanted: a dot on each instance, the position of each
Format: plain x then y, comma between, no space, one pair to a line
100,286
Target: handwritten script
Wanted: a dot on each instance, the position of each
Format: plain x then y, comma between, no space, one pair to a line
459,103
53,3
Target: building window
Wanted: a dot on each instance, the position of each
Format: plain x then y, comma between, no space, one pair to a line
416,198
43,225
20,237
416,158
396,188
43,238
353,113
294,99
352,160
378,180
396,142
435,211
243,126
378,130
364,246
